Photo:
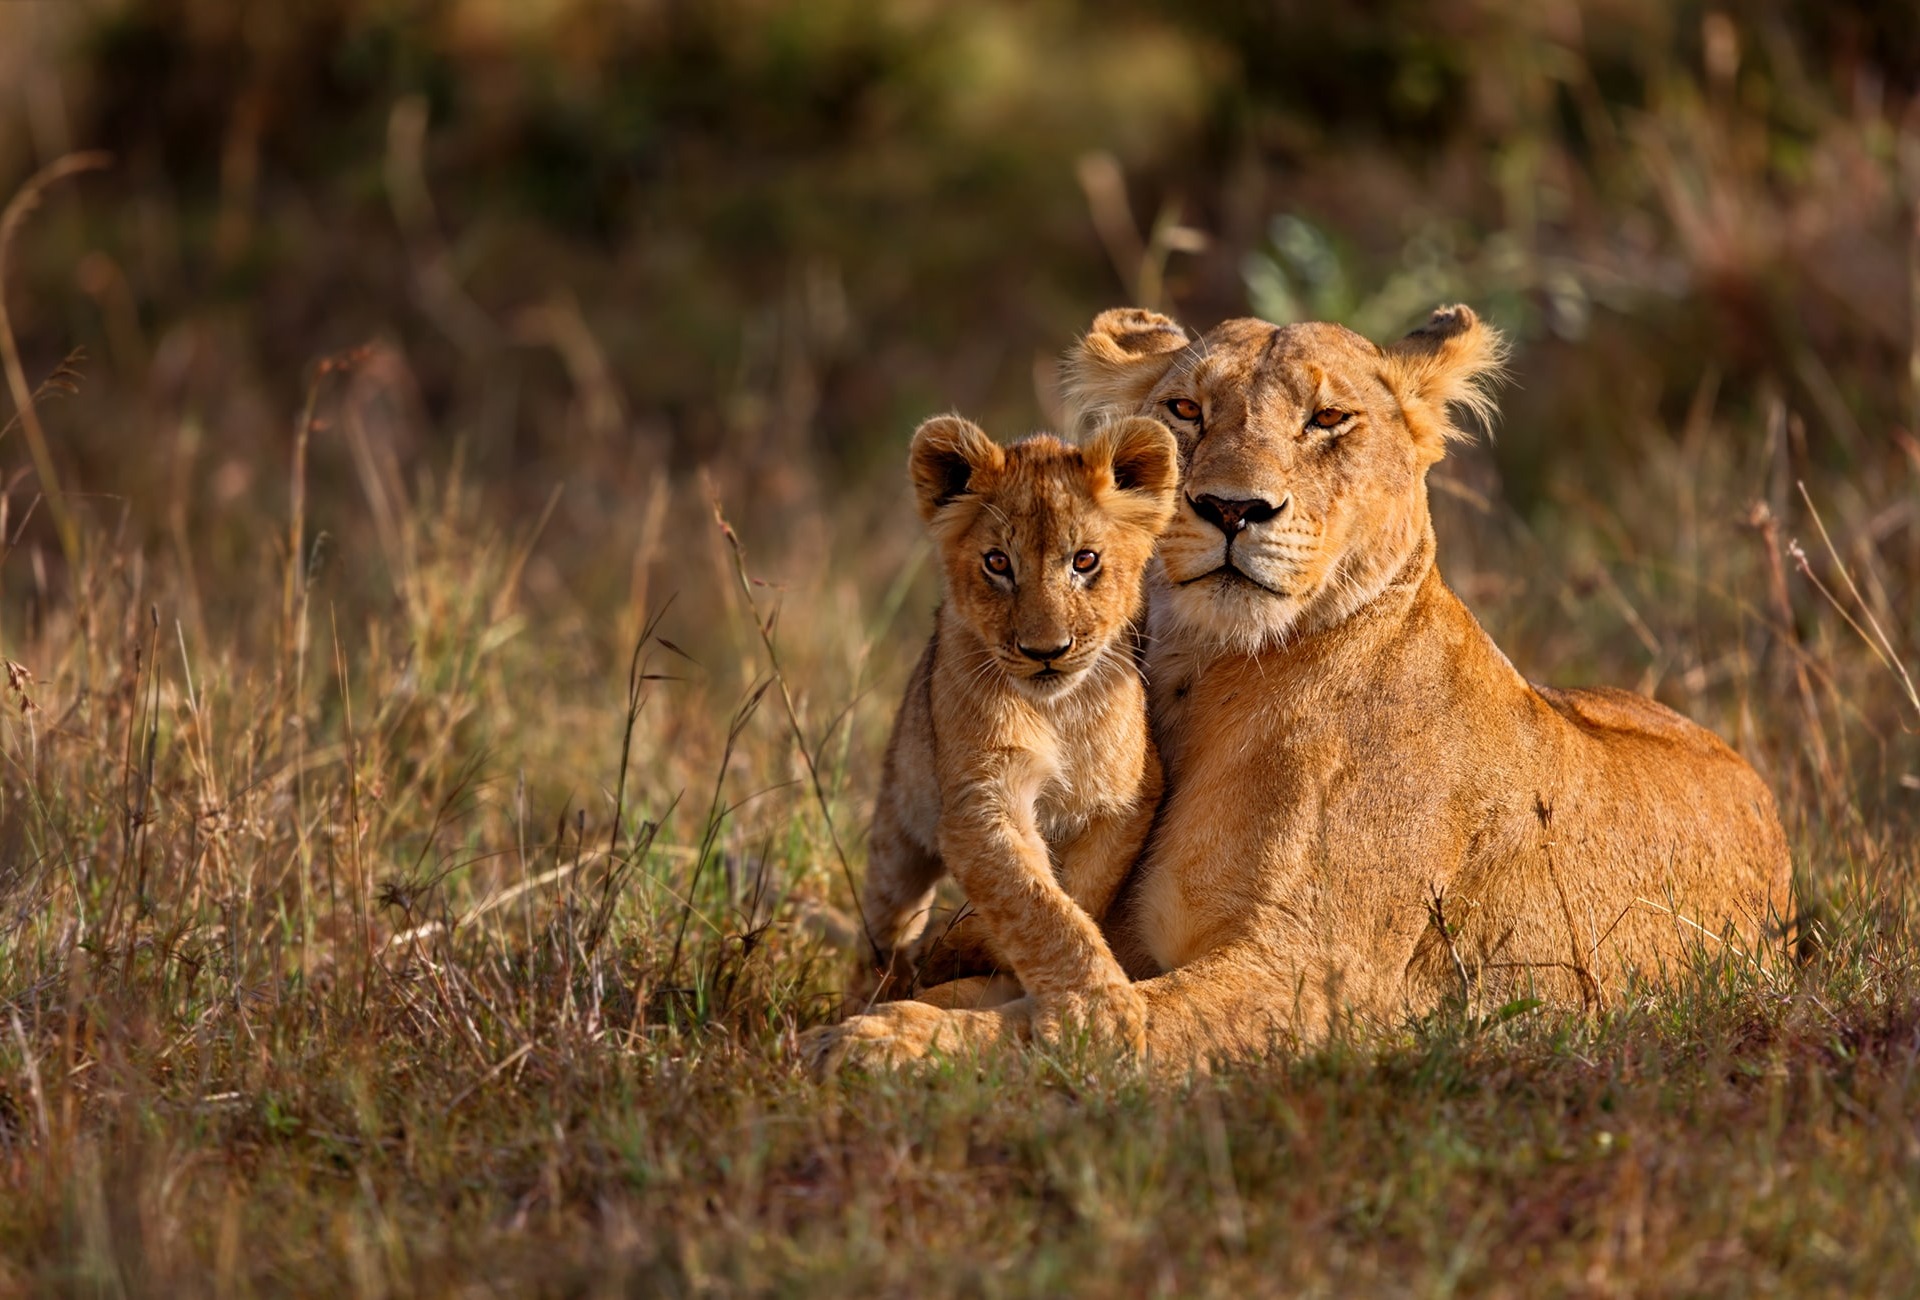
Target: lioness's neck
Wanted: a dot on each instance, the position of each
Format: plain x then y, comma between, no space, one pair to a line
1374,607
1347,650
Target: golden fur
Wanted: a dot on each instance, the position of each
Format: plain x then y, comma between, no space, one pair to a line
1369,811
1020,757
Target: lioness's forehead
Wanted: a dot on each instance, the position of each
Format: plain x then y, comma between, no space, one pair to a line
1238,352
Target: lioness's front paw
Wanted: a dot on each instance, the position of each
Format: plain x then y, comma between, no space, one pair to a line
890,1036
1114,1018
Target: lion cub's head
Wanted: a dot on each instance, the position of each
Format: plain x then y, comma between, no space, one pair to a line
1303,454
1044,545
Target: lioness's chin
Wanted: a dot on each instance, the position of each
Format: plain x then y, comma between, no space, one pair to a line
1229,611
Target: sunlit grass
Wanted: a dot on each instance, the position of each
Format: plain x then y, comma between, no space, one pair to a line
313,982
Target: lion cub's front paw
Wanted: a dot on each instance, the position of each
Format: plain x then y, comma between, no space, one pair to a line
890,1036
1114,1018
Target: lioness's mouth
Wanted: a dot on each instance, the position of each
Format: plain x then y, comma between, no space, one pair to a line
1230,573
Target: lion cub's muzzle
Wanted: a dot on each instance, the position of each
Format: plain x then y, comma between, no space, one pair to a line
1048,668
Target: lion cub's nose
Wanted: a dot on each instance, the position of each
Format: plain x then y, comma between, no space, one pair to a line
1231,517
1040,655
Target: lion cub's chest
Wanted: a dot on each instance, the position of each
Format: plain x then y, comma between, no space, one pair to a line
1073,761
1053,765
1063,806
1089,761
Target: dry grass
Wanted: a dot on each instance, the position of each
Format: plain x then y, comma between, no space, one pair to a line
363,945
412,877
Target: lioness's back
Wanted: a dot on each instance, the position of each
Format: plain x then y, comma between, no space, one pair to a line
1610,709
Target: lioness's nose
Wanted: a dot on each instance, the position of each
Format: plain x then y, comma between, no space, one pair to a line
1232,516
1041,654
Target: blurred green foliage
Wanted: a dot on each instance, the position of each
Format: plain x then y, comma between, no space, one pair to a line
613,241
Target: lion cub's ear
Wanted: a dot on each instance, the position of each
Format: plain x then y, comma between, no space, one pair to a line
948,454
1134,469
1455,359
1111,370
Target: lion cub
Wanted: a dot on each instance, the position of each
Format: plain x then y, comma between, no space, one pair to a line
1020,759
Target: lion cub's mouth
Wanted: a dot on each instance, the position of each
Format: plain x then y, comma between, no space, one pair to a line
1052,677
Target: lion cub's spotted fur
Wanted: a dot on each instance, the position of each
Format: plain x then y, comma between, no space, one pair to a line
1021,759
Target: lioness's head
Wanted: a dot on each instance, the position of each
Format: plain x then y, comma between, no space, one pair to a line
1303,456
1043,544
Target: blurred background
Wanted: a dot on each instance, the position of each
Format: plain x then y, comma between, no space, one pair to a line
585,266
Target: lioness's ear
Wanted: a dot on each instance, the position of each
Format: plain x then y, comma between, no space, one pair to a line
1455,359
1111,370
947,453
1133,464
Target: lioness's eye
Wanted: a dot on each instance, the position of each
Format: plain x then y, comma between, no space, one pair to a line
998,563
1086,561
1328,417
1184,408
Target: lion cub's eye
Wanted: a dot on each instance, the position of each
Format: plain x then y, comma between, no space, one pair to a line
1330,417
1086,561
1185,408
997,563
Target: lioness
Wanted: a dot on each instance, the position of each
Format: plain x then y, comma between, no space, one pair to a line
1020,757
1369,810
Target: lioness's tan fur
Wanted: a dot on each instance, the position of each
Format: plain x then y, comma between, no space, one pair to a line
1033,779
1369,810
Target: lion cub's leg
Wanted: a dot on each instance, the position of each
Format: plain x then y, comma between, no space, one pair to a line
989,841
1084,982
1093,866
895,903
